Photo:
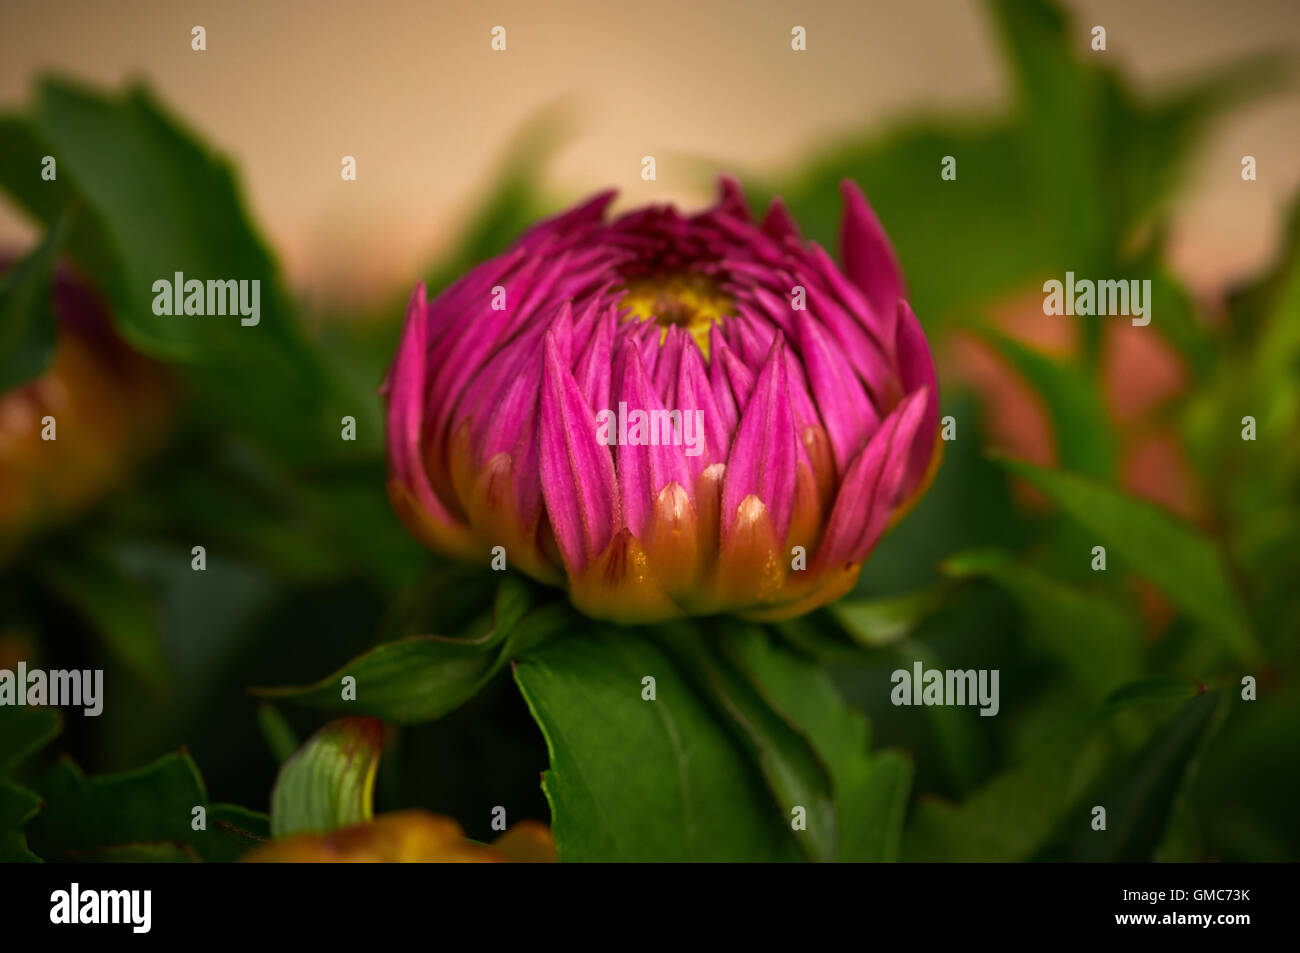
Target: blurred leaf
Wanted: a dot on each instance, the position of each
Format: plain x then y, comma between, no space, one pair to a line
28,327
22,155
870,791
1014,816
166,205
796,775
1139,806
92,582
277,732
13,850
629,779
17,806
1185,565
421,678
88,818
1097,640
886,620
328,782
1082,430
24,731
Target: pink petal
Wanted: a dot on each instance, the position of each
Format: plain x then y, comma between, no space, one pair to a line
871,488
644,469
577,472
764,452
916,371
868,255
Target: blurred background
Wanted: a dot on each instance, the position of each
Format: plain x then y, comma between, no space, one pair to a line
1122,163
414,92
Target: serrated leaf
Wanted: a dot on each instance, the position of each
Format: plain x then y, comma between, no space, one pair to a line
634,780
795,773
88,818
329,781
1151,542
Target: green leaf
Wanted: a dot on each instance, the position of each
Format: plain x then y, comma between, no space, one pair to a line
886,620
422,678
24,731
795,773
1081,426
17,806
165,205
329,781
636,780
28,328
1098,641
1151,542
13,850
1139,806
47,201
1014,816
870,791
277,732
95,818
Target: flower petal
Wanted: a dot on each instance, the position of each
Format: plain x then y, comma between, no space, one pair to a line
577,472
764,452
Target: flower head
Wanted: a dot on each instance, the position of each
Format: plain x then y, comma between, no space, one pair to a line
667,415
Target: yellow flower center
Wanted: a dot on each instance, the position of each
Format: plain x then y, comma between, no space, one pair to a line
689,300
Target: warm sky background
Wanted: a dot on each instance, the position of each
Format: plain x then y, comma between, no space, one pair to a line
412,89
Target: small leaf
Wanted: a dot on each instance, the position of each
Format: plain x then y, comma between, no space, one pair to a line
422,678
886,620
28,328
328,783
1175,556
276,732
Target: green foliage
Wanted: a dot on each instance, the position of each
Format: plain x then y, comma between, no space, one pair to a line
1101,706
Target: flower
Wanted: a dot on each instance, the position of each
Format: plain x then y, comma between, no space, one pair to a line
531,407
409,837
75,434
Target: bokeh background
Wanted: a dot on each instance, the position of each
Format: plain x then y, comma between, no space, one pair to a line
1123,163
413,90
